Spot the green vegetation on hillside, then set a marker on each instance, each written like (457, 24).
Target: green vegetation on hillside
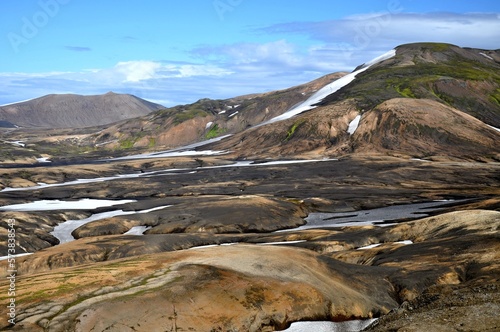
(293, 128)
(442, 75)
(214, 132)
(189, 114)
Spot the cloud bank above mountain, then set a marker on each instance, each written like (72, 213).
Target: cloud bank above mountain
(295, 52)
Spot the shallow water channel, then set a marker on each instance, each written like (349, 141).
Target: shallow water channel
(385, 216)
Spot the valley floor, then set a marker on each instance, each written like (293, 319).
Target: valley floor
(411, 273)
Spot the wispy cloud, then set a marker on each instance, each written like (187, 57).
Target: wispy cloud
(168, 83)
(354, 37)
(78, 48)
(223, 71)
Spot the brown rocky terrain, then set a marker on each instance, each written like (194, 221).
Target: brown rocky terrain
(267, 287)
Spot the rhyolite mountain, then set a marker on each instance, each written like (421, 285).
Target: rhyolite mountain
(206, 118)
(427, 101)
(75, 111)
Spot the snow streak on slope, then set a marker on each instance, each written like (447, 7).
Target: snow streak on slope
(329, 89)
(353, 125)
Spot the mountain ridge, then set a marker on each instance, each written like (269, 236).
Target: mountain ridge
(467, 96)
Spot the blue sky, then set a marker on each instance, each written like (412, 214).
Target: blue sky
(176, 52)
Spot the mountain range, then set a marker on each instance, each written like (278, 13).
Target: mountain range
(424, 100)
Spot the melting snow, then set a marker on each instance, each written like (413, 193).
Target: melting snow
(405, 242)
(352, 325)
(173, 154)
(187, 150)
(213, 245)
(162, 173)
(354, 125)
(63, 230)
(43, 160)
(486, 56)
(208, 125)
(328, 90)
(2, 258)
(52, 205)
(281, 242)
(497, 129)
(375, 217)
(137, 230)
(17, 143)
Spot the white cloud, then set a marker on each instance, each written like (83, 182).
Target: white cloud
(197, 70)
(224, 71)
(357, 37)
(136, 71)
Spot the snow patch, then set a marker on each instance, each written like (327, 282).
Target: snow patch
(173, 154)
(405, 242)
(63, 230)
(328, 90)
(43, 160)
(281, 242)
(137, 230)
(171, 171)
(353, 125)
(208, 125)
(17, 143)
(352, 325)
(52, 205)
(213, 245)
(486, 56)
(495, 128)
(234, 114)
(187, 150)
(2, 258)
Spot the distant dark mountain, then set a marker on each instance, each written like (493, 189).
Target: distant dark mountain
(75, 111)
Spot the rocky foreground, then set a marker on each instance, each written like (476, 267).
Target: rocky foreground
(442, 269)
(450, 273)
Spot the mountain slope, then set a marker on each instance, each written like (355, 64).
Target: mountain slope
(205, 119)
(75, 111)
(464, 78)
(404, 105)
